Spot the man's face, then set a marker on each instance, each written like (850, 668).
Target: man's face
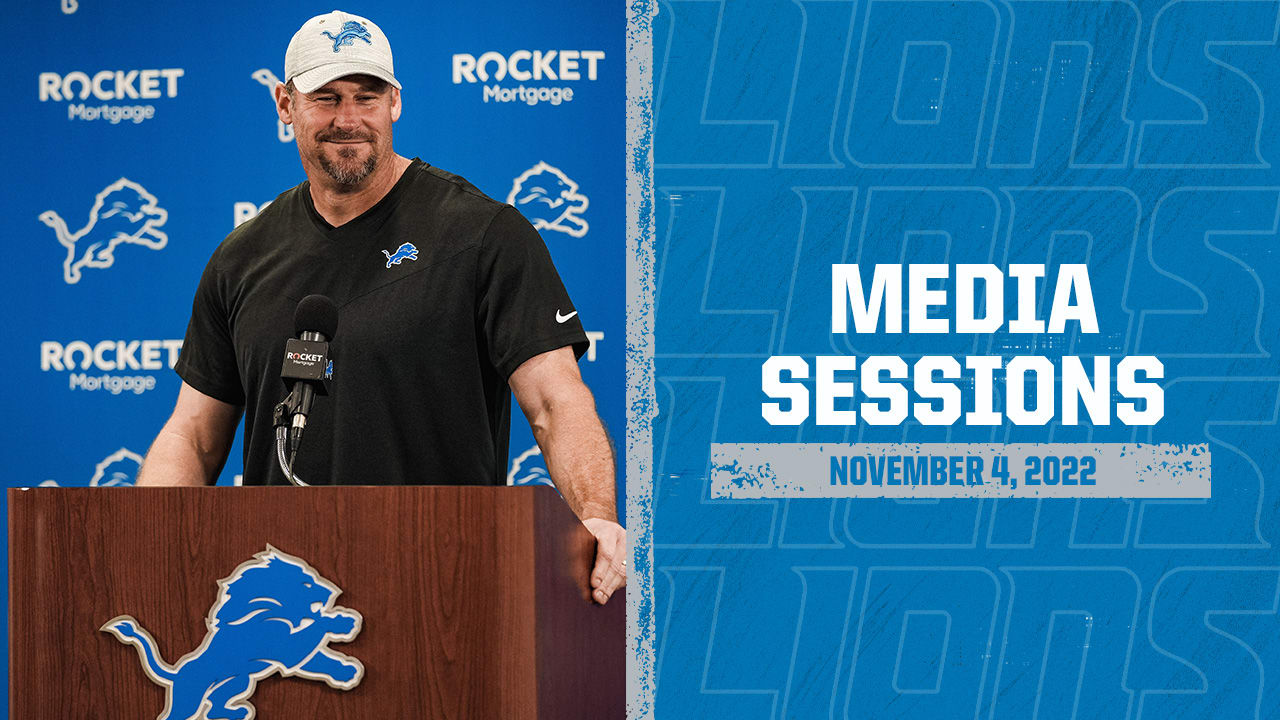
(343, 129)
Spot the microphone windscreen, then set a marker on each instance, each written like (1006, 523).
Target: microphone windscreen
(316, 313)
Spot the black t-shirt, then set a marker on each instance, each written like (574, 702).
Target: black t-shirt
(442, 293)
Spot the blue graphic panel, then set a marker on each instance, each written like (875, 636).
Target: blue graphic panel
(1130, 138)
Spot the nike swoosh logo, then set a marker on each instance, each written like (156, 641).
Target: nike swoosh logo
(562, 318)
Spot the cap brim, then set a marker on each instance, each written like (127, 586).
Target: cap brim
(315, 78)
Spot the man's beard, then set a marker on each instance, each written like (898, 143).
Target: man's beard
(344, 175)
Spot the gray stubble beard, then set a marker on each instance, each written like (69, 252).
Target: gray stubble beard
(346, 177)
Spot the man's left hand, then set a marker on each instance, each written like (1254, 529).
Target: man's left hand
(610, 572)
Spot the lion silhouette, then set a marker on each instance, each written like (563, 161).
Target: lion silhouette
(124, 212)
(550, 200)
(274, 614)
(119, 469)
(351, 32)
(284, 133)
(529, 468)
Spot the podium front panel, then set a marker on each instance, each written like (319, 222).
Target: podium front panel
(473, 602)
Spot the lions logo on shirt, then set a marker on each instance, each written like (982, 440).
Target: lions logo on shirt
(550, 200)
(406, 251)
(124, 212)
(274, 614)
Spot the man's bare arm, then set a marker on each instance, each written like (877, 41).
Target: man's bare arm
(563, 416)
(562, 413)
(192, 446)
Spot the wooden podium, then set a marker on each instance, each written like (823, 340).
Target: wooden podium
(474, 600)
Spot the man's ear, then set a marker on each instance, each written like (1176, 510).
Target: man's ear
(395, 104)
(284, 104)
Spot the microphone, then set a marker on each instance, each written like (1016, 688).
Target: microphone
(306, 362)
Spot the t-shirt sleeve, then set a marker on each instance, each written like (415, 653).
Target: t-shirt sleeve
(522, 307)
(208, 359)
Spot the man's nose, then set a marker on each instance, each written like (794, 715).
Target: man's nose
(347, 116)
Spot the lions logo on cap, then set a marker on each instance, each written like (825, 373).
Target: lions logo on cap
(274, 614)
(351, 31)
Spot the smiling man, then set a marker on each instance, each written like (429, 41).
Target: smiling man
(448, 304)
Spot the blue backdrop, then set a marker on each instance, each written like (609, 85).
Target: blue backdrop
(166, 108)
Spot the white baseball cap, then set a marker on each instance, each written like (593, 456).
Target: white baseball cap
(331, 46)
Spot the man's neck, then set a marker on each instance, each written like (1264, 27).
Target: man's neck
(339, 204)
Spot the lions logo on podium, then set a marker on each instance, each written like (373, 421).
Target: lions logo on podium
(274, 614)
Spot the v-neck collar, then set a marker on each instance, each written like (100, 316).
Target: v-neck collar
(370, 219)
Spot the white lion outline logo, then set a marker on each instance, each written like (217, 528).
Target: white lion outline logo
(529, 469)
(550, 200)
(119, 469)
(124, 212)
(284, 133)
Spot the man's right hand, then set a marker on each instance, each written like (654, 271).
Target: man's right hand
(610, 571)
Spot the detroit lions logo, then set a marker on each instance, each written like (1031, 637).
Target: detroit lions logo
(529, 469)
(124, 212)
(405, 252)
(274, 614)
(284, 133)
(119, 469)
(550, 200)
(351, 31)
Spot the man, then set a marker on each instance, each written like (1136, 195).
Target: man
(448, 304)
